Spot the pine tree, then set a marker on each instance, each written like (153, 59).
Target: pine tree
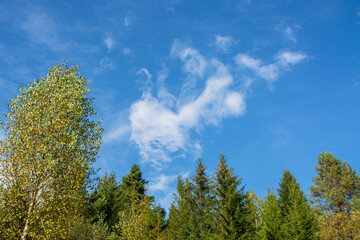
(336, 184)
(336, 191)
(232, 206)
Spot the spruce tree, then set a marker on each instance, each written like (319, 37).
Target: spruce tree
(271, 218)
(132, 186)
(254, 207)
(284, 192)
(232, 206)
(201, 202)
(298, 218)
(180, 211)
(299, 222)
(104, 201)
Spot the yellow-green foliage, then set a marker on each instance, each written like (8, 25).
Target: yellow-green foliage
(340, 226)
(134, 221)
(47, 155)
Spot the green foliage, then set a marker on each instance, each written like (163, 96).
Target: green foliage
(337, 193)
(271, 217)
(191, 214)
(232, 211)
(157, 222)
(336, 184)
(299, 221)
(298, 218)
(202, 204)
(104, 201)
(285, 201)
(133, 222)
(254, 207)
(133, 185)
(51, 143)
(180, 211)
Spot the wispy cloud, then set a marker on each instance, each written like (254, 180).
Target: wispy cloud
(126, 51)
(161, 125)
(223, 42)
(109, 43)
(118, 133)
(106, 64)
(127, 21)
(162, 182)
(194, 62)
(41, 28)
(288, 31)
(270, 72)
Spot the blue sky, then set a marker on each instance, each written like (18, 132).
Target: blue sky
(270, 84)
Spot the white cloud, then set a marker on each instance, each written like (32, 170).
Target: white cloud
(194, 62)
(162, 182)
(105, 65)
(127, 21)
(161, 124)
(270, 72)
(144, 71)
(288, 31)
(109, 43)
(223, 42)
(41, 28)
(126, 51)
(119, 133)
(289, 58)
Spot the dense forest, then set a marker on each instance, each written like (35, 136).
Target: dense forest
(48, 188)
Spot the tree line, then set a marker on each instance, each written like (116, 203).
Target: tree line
(48, 189)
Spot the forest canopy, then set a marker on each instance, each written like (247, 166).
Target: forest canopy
(46, 163)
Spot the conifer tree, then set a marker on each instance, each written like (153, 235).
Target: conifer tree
(284, 192)
(180, 211)
(254, 210)
(299, 221)
(336, 184)
(104, 201)
(202, 204)
(336, 191)
(132, 186)
(271, 218)
(157, 222)
(232, 206)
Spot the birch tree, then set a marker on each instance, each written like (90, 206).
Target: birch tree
(47, 155)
